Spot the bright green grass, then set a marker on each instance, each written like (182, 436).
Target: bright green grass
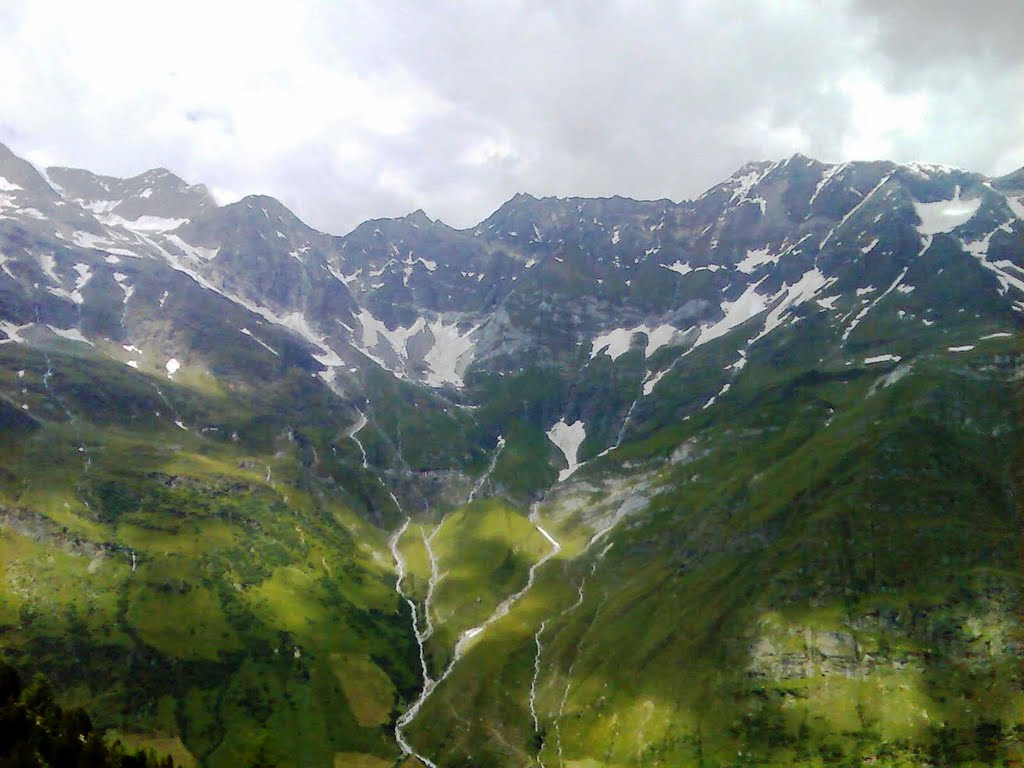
(260, 618)
(820, 527)
(261, 621)
(369, 691)
(484, 551)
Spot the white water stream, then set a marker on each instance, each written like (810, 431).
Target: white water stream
(432, 582)
(572, 668)
(428, 683)
(537, 662)
(354, 430)
(506, 605)
(625, 423)
(465, 639)
(536, 675)
(483, 478)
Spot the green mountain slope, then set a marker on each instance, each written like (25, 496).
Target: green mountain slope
(190, 588)
(597, 483)
(801, 588)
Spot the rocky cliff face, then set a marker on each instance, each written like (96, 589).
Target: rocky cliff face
(537, 282)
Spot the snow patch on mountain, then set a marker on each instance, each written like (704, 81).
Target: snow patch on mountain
(340, 276)
(447, 359)
(735, 313)
(714, 398)
(49, 266)
(849, 215)
(13, 333)
(450, 355)
(1002, 268)
(195, 252)
(882, 359)
(807, 287)
(568, 438)
(4, 261)
(374, 330)
(143, 224)
(945, 215)
(71, 334)
(615, 342)
(298, 322)
(680, 267)
(84, 276)
(1016, 204)
(860, 315)
(89, 240)
(756, 258)
(652, 381)
(126, 288)
(98, 207)
(830, 173)
(929, 169)
(743, 184)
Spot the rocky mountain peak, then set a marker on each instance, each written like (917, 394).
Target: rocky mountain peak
(1011, 182)
(154, 199)
(419, 218)
(21, 182)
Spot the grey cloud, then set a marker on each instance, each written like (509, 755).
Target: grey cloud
(968, 54)
(940, 32)
(659, 101)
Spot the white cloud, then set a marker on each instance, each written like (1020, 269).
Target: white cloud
(879, 119)
(363, 109)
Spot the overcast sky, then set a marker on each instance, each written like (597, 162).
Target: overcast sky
(349, 110)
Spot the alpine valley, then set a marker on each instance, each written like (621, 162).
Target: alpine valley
(597, 482)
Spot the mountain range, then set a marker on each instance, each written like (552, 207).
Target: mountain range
(596, 482)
